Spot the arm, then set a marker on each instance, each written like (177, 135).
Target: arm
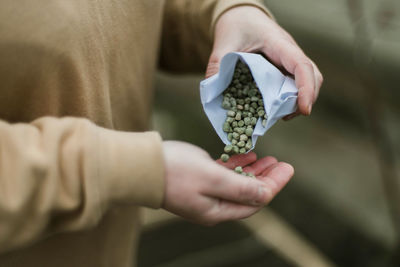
(62, 174)
(198, 188)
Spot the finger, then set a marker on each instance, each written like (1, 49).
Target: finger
(226, 211)
(305, 82)
(212, 68)
(219, 51)
(228, 185)
(318, 83)
(276, 177)
(267, 170)
(319, 80)
(239, 160)
(260, 165)
(292, 58)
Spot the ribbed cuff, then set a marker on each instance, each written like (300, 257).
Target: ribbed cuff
(224, 5)
(133, 168)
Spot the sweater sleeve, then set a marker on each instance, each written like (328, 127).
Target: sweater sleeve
(62, 175)
(188, 30)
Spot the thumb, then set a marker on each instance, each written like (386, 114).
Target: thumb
(213, 64)
(215, 60)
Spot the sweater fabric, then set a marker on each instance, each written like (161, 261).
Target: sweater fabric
(76, 158)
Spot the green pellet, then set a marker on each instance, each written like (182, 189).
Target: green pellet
(238, 116)
(243, 137)
(240, 130)
(242, 150)
(226, 105)
(254, 99)
(241, 144)
(224, 157)
(234, 142)
(241, 123)
(238, 169)
(231, 113)
(228, 149)
(236, 149)
(248, 132)
(264, 123)
(248, 145)
(226, 127)
(253, 92)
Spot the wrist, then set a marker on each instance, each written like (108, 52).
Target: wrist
(224, 6)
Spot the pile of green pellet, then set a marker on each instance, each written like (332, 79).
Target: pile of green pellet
(244, 106)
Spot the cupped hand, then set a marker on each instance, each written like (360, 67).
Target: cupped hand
(204, 191)
(248, 29)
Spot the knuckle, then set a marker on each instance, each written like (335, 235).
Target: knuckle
(273, 159)
(305, 62)
(214, 59)
(273, 189)
(211, 216)
(320, 79)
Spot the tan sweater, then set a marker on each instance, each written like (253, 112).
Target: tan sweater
(70, 188)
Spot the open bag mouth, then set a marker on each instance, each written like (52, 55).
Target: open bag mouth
(279, 92)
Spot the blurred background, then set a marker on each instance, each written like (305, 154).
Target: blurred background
(342, 208)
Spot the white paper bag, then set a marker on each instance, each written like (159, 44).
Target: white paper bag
(279, 92)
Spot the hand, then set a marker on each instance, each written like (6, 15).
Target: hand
(201, 190)
(248, 29)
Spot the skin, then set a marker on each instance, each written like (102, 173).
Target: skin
(205, 191)
(248, 29)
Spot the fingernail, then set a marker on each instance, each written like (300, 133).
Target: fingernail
(309, 109)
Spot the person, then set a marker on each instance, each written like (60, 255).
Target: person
(77, 159)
